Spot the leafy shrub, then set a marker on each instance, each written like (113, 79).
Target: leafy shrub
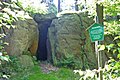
(68, 61)
(10, 12)
(87, 75)
(33, 7)
(31, 10)
(110, 71)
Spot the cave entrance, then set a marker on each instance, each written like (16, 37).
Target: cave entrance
(44, 49)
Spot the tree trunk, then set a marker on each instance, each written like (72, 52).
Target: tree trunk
(58, 5)
(76, 5)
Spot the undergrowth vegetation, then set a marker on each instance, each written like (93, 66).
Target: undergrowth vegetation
(35, 73)
(10, 12)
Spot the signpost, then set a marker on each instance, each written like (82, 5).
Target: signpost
(99, 11)
(96, 32)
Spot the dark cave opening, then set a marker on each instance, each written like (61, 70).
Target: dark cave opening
(43, 51)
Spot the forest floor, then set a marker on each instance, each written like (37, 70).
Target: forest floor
(46, 71)
(47, 67)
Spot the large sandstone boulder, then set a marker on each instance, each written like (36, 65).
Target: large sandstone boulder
(70, 42)
(22, 38)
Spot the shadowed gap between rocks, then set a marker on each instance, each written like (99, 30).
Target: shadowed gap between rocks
(44, 50)
(44, 47)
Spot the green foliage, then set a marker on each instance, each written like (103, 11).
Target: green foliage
(14, 68)
(3, 54)
(6, 20)
(112, 7)
(31, 10)
(68, 61)
(87, 75)
(9, 67)
(112, 69)
(8, 15)
(10, 12)
(101, 47)
(112, 29)
(15, 65)
(33, 7)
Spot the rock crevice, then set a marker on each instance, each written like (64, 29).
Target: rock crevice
(44, 49)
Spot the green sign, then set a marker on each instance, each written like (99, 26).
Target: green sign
(96, 32)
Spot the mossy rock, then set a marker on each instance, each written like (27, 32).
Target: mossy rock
(26, 61)
(69, 37)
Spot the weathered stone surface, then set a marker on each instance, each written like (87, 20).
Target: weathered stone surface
(26, 61)
(70, 40)
(43, 17)
(22, 38)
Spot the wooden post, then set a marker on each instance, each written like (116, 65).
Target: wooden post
(99, 10)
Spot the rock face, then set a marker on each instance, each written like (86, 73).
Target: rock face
(23, 37)
(70, 41)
